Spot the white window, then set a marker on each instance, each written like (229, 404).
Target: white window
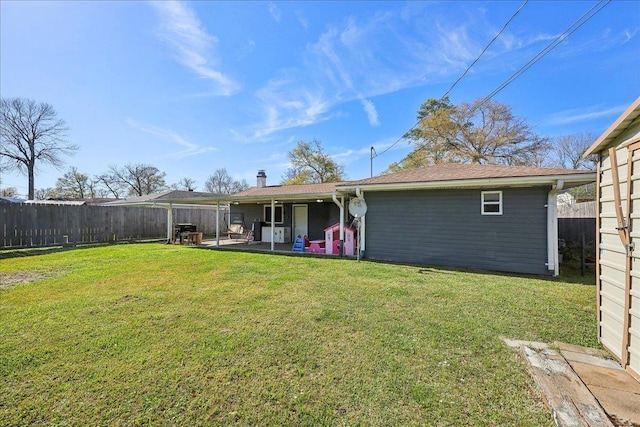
(491, 203)
(279, 216)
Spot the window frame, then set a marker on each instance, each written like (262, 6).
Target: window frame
(277, 208)
(484, 203)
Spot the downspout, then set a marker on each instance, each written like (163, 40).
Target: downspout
(341, 206)
(170, 223)
(218, 221)
(273, 227)
(552, 228)
(362, 232)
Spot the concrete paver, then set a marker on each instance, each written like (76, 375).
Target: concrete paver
(616, 391)
(583, 386)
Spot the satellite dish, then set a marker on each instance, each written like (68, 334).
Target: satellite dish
(357, 207)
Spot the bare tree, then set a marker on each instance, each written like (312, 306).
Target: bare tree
(310, 164)
(74, 185)
(111, 183)
(568, 150)
(220, 182)
(31, 133)
(9, 192)
(186, 184)
(44, 193)
(139, 179)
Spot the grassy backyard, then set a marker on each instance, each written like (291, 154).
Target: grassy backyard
(150, 334)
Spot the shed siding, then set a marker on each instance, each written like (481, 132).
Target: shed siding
(445, 227)
(612, 256)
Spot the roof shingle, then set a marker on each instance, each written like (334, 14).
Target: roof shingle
(460, 171)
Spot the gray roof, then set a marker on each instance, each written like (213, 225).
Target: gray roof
(6, 199)
(459, 171)
(439, 175)
(309, 190)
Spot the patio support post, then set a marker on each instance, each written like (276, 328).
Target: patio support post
(341, 250)
(361, 232)
(170, 223)
(552, 228)
(218, 223)
(273, 227)
(340, 205)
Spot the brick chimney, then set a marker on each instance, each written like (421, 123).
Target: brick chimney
(262, 179)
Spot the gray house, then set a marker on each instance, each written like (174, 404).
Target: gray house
(501, 218)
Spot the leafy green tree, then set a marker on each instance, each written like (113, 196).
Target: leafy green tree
(478, 132)
(310, 164)
(31, 134)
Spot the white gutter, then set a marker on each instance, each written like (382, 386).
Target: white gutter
(363, 228)
(340, 204)
(552, 228)
(525, 181)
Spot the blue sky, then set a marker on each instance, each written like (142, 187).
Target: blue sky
(192, 87)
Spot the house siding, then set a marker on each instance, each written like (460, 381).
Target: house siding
(446, 228)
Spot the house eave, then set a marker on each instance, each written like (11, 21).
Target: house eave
(626, 119)
(281, 198)
(529, 181)
(183, 204)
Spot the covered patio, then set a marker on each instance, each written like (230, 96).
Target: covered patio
(270, 218)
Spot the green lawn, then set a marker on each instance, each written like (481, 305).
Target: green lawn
(150, 334)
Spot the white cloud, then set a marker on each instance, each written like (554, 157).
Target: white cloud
(191, 44)
(363, 57)
(601, 42)
(275, 12)
(191, 149)
(372, 113)
(304, 22)
(583, 114)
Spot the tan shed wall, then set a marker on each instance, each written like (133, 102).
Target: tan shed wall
(612, 257)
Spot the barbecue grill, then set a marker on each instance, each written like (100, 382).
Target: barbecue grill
(181, 231)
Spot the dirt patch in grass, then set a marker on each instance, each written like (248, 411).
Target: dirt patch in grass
(8, 279)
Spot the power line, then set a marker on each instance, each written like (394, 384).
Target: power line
(461, 76)
(559, 39)
(485, 48)
(587, 16)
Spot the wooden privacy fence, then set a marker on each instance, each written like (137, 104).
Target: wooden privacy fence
(32, 225)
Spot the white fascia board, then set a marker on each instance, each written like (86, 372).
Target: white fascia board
(281, 198)
(164, 205)
(528, 181)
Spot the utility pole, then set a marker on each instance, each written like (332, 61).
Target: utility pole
(373, 154)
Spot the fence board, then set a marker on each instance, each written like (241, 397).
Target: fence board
(33, 225)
